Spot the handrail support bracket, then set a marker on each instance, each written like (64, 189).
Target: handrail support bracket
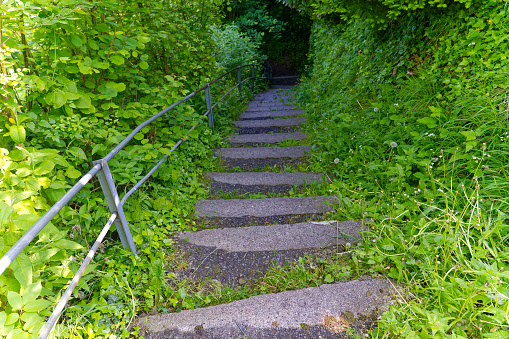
(113, 200)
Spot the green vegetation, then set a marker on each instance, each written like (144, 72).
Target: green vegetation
(282, 32)
(411, 118)
(406, 100)
(76, 78)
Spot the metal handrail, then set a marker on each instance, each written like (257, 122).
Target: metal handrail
(101, 169)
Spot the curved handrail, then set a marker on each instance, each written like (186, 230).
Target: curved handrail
(101, 169)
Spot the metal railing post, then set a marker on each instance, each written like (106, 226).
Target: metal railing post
(252, 76)
(239, 79)
(208, 99)
(113, 200)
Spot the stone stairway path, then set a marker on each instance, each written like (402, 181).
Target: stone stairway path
(241, 239)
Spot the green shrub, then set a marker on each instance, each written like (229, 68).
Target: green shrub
(233, 48)
(412, 122)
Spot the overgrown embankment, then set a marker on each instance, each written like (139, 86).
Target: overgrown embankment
(411, 117)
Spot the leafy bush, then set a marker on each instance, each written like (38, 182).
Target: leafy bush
(75, 78)
(412, 122)
(233, 48)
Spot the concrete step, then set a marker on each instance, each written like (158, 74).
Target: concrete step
(264, 138)
(310, 313)
(280, 100)
(258, 182)
(261, 126)
(237, 256)
(270, 114)
(249, 158)
(268, 124)
(287, 87)
(269, 108)
(274, 96)
(245, 212)
(270, 104)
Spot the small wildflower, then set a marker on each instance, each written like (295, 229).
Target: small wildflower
(375, 109)
(336, 161)
(394, 144)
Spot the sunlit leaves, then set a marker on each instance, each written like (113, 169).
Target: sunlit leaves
(18, 133)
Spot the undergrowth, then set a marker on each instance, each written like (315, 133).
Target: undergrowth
(412, 123)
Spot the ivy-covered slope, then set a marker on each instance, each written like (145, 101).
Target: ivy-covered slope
(411, 118)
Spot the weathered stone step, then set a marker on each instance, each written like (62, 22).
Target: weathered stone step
(264, 138)
(283, 100)
(258, 182)
(267, 96)
(287, 87)
(265, 104)
(236, 256)
(269, 108)
(270, 114)
(310, 313)
(244, 212)
(269, 123)
(249, 158)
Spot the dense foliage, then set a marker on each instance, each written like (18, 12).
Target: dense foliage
(75, 78)
(233, 48)
(283, 33)
(412, 122)
(377, 13)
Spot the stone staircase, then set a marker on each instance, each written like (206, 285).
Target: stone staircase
(243, 238)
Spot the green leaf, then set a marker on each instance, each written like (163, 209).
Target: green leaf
(22, 267)
(388, 247)
(18, 134)
(5, 212)
(117, 59)
(14, 299)
(31, 320)
(71, 87)
(3, 318)
(57, 98)
(328, 278)
(67, 244)
(143, 65)
(44, 167)
(37, 305)
(428, 121)
(85, 69)
(93, 44)
(76, 41)
(32, 292)
(118, 86)
(72, 173)
(32, 184)
(470, 135)
(83, 102)
(97, 148)
(12, 318)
